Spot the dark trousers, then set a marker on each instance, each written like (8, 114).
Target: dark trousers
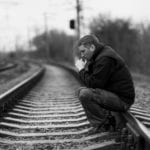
(97, 102)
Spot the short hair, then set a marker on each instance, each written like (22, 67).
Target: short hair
(89, 40)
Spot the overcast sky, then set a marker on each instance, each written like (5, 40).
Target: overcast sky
(22, 19)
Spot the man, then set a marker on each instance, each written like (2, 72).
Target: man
(108, 82)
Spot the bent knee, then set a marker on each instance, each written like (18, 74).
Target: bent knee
(85, 94)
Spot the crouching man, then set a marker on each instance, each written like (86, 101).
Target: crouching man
(108, 82)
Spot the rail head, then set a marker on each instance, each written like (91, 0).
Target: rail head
(8, 67)
(137, 126)
(20, 88)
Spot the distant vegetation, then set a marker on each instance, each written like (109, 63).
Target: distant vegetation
(55, 45)
(131, 41)
(6, 57)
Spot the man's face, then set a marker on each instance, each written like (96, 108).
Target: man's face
(86, 51)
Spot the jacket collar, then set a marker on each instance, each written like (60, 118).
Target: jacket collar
(97, 51)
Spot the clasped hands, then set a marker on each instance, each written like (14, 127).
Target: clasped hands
(80, 64)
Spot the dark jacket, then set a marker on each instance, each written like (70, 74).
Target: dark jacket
(107, 70)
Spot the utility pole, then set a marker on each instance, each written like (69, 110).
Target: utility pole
(46, 36)
(78, 9)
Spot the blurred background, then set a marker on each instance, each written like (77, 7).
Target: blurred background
(48, 29)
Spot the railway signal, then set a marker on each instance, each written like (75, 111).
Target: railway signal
(72, 24)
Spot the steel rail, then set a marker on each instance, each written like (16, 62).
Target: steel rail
(140, 133)
(7, 67)
(19, 90)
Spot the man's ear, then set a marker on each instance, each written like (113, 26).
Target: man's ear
(92, 48)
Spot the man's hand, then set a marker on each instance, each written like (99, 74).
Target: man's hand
(80, 64)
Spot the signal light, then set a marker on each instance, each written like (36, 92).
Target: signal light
(72, 24)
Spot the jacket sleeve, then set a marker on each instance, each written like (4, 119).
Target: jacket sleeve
(101, 73)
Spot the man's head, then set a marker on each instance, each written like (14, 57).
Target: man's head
(87, 46)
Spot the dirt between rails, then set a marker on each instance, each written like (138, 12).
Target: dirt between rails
(12, 77)
(46, 130)
(58, 146)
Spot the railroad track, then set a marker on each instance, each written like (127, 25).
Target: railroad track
(50, 116)
(8, 66)
(141, 115)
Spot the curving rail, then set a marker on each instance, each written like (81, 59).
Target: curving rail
(7, 98)
(8, 66)
(139, 134)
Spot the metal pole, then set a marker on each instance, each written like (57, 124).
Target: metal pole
(46, 36)
(78, 9)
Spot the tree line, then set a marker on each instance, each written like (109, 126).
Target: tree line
(131, 41)
(55, 45)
